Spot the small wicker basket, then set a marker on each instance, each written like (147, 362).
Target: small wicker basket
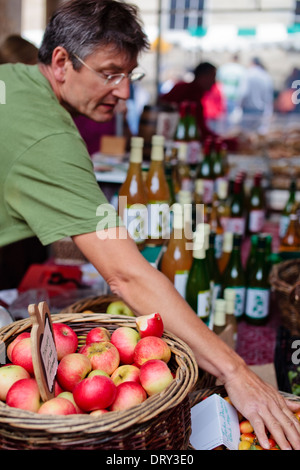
(162, 421)
(285, 281)
(96, 304)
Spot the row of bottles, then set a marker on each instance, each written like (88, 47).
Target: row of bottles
(289, 223)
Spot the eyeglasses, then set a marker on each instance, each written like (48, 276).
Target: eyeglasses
(116, 78)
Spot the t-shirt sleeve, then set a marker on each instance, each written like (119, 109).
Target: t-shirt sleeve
(53, 189)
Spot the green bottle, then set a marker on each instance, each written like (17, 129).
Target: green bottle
(214, 269)
(258, 288)
(252, 254)
(205, 173)
(198, 292)
(234, 277)
(285, 215)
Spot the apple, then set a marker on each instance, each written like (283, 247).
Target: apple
(21, 355)
(151, 347)
(155, 376)
(72, 369)
(65, 338)
(129, 394)
(11, 345)
(98, 372)
(103, 355)
(94, 393)
(57, 388)
(98, 412)
(69, 396)
(99, 333)
(126, 373)
(125, 340)
(150, 325)
(24, 394)
(118, 307)
(57, 406)
(10, 374)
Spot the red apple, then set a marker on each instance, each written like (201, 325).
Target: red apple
(69, 396)
(150, 325)
(94, 393)
(65, 338)
(151, 347)
(155, 376)
(129, 394)
(21, 355)
(98, 412)
(11, 345)
(8, 376)
(24, 394)
(103, 355)
(99, 333)
(57, 388)
(57, 406)
(125, 339)
(72, 369)
(126, 373)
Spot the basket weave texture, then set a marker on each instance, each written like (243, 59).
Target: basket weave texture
(162, 421)
(285, 281)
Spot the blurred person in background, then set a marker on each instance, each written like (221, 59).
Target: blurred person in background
(17, 49)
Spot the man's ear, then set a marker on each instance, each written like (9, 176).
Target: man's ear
(60, 58)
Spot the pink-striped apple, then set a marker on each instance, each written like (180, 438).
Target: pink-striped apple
(155, 376)
(125, 339)
(24, 394)
(69, 396)
(103, 355)
(150, 325)
(10, 374)
(94, 393)
(129, 394)
(151, 347)
(66, 340)
(21, 355)
(57, 406)
(57, 388)
(72, 369)
(126, 373)
(99, 333)
(11, 345)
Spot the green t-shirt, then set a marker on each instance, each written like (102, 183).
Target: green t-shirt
(47, 183)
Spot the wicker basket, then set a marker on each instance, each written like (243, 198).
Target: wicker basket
(161, 422)
(96, 304)
(285, 281)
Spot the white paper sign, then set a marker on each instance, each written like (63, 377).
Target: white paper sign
(214, 422)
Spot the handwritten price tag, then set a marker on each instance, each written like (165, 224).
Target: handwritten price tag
(44, 355)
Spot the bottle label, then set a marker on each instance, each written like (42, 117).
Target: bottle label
(194, 152)
(283, 225)
(136, 219)
(218, 246)
(257, 304)
(180, 280)
(256, 220)
(187, 184)
(203, 304)
(208, 191)
(159, 220)
(239, 303)
(236, 225)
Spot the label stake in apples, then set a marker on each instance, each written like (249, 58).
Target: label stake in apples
(44, 354)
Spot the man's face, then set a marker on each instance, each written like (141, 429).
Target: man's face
(86, 92)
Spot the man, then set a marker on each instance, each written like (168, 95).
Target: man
(87, 59)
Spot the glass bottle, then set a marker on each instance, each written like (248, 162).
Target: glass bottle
(234, 277)
(205, 172)
(252, 254)
(198, 293)
(181, 128)
(284, 217)
(229, 296)
(291, 240)
(177, 259)
(223, 203)
(219, 321)
(214, 269)
(158, 195)
(184, 178)
(258, 288)
(201, 213)
(216, 226)
(226, 251)
(194, 144)
(219, 166)
(133, 198)
(257, 206)
(237, 220)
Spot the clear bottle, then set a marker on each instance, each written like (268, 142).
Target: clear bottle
(284, 217)
(184, 177)
(219, 315)
(133, 198)
(198, 293)
(257, 206)
(226, 251)
(258, 288)
(205, 172)
(180, 134)
(158, 195)
(177, 260)
(194, 144)
(237, 220)
(234, 277)
(291, 240)
(229, 296)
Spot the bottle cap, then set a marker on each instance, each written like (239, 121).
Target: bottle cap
(199, 186)
(157, 150)
(136, 149)
(198, 245)
(178, 216)
(227, 242)
(229, 296)
(182, 151)
(219, 313)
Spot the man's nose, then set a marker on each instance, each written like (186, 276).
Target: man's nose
(122, 90)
